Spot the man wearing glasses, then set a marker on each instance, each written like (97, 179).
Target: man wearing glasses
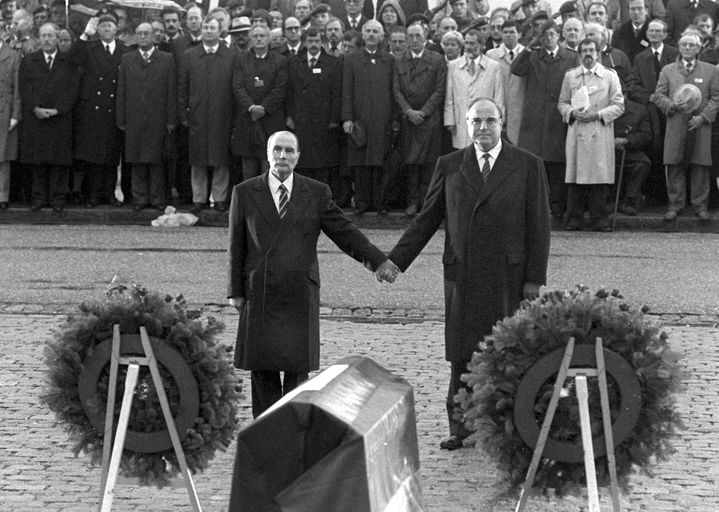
(493, 199)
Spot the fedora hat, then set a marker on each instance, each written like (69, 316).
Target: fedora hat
(690, 94)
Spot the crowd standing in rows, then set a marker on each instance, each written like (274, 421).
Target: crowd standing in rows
(183, 102)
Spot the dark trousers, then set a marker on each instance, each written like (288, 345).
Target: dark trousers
(557, 187)
(321, 174)
(268, 388)
(148, 184)
(699, 186)
(456, 426)
(635, 173)
(49, 184)
(368, 186)
(101, 182)
(595, 196)
(20, 182)
(183, 181)
(418, 178)
(252, 167)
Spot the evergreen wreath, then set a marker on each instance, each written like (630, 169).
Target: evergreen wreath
(542, 326)
(184, 330)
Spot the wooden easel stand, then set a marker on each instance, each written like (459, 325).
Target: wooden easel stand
(112, 451)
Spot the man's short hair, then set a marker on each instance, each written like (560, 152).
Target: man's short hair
(602, 4)
(255, 28)
(312, 32)
(272, 138)
(702, 17)
(485, 98)
(169, 10)
(453, 35)
(585, 42)
(572, 21)
(510, 24)
(394, 29)
(336, 20)
(660, 21)
(473, 32)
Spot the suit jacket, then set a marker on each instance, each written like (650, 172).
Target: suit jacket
(363, 19)
(543, 132)
(514, 90)
(47, 141)
(181, 44)
(680, 14)
(634, 125)
(420, 84)
(97, 138)
(146, 104)
(645, 73)
(273, 266)
(284, 50)
(209, 116)
(258, 82)
(313, 101)
(625, 40)
(9, 101)
(496, 239)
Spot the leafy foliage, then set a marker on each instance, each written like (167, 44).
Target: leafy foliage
(183, 329)
(541, 327)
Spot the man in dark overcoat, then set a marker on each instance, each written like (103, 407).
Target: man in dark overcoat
(631, 36)
(313, 109)
(259, 85)
(49, 87)
(492, 198)
(274, 281)
(206, 106)
(98, 140)
(419, 85)
(367, 101)
(544, 63)
(147, 113)
(191, 38)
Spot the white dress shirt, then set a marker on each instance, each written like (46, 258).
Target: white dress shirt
(275, 187)
(493, 154)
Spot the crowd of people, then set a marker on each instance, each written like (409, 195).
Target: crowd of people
(178, 105)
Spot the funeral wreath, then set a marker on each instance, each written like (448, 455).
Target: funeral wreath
(197, 373)
(645, 367)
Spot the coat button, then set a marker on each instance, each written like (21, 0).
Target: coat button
(112, 95)
(101, 79)
(99, 93)
(97, 108)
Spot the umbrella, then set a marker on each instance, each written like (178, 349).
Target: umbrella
(149, 4)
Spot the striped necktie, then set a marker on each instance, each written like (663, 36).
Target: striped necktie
(486, 169)
(284, 200)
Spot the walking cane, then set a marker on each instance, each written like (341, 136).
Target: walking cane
(619, 188)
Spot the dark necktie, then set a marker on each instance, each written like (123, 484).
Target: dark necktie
(146, 56)
(690, 66)
(333, 51)
(49, 61)
(313, 61)
(486, 169)
(657, 65)
(284, 200)
(511, 55)
(293, 51)
(107, 49)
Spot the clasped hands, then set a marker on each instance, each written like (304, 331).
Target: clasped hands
(387, 271)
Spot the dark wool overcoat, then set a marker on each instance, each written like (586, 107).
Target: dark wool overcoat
(205, 102)
(47, 141)
(542, 131)
(273, 265)
(98, 140)
(496, 239)
(314, 97)
(146, 104)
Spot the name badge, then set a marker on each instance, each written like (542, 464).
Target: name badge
(698, 80)
(259, 82)
(644, 43)
(316, 71)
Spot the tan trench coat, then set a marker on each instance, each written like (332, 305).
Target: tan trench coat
(590, 146)
(514, 91)
(462, 88)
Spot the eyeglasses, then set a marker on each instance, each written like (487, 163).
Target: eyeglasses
(293, 28)
(489, 122)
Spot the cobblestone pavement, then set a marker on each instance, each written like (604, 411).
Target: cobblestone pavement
(39, 472)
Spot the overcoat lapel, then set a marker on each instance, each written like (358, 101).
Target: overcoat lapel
(470, 169)
(503, 167)
(263, 198)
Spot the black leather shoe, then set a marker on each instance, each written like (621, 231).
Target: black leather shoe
(118, 204)
(220, 206)
(453, 442)
(196, 208)
(4, 205)
(411, 210)
(361, 210)
(36, 207)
